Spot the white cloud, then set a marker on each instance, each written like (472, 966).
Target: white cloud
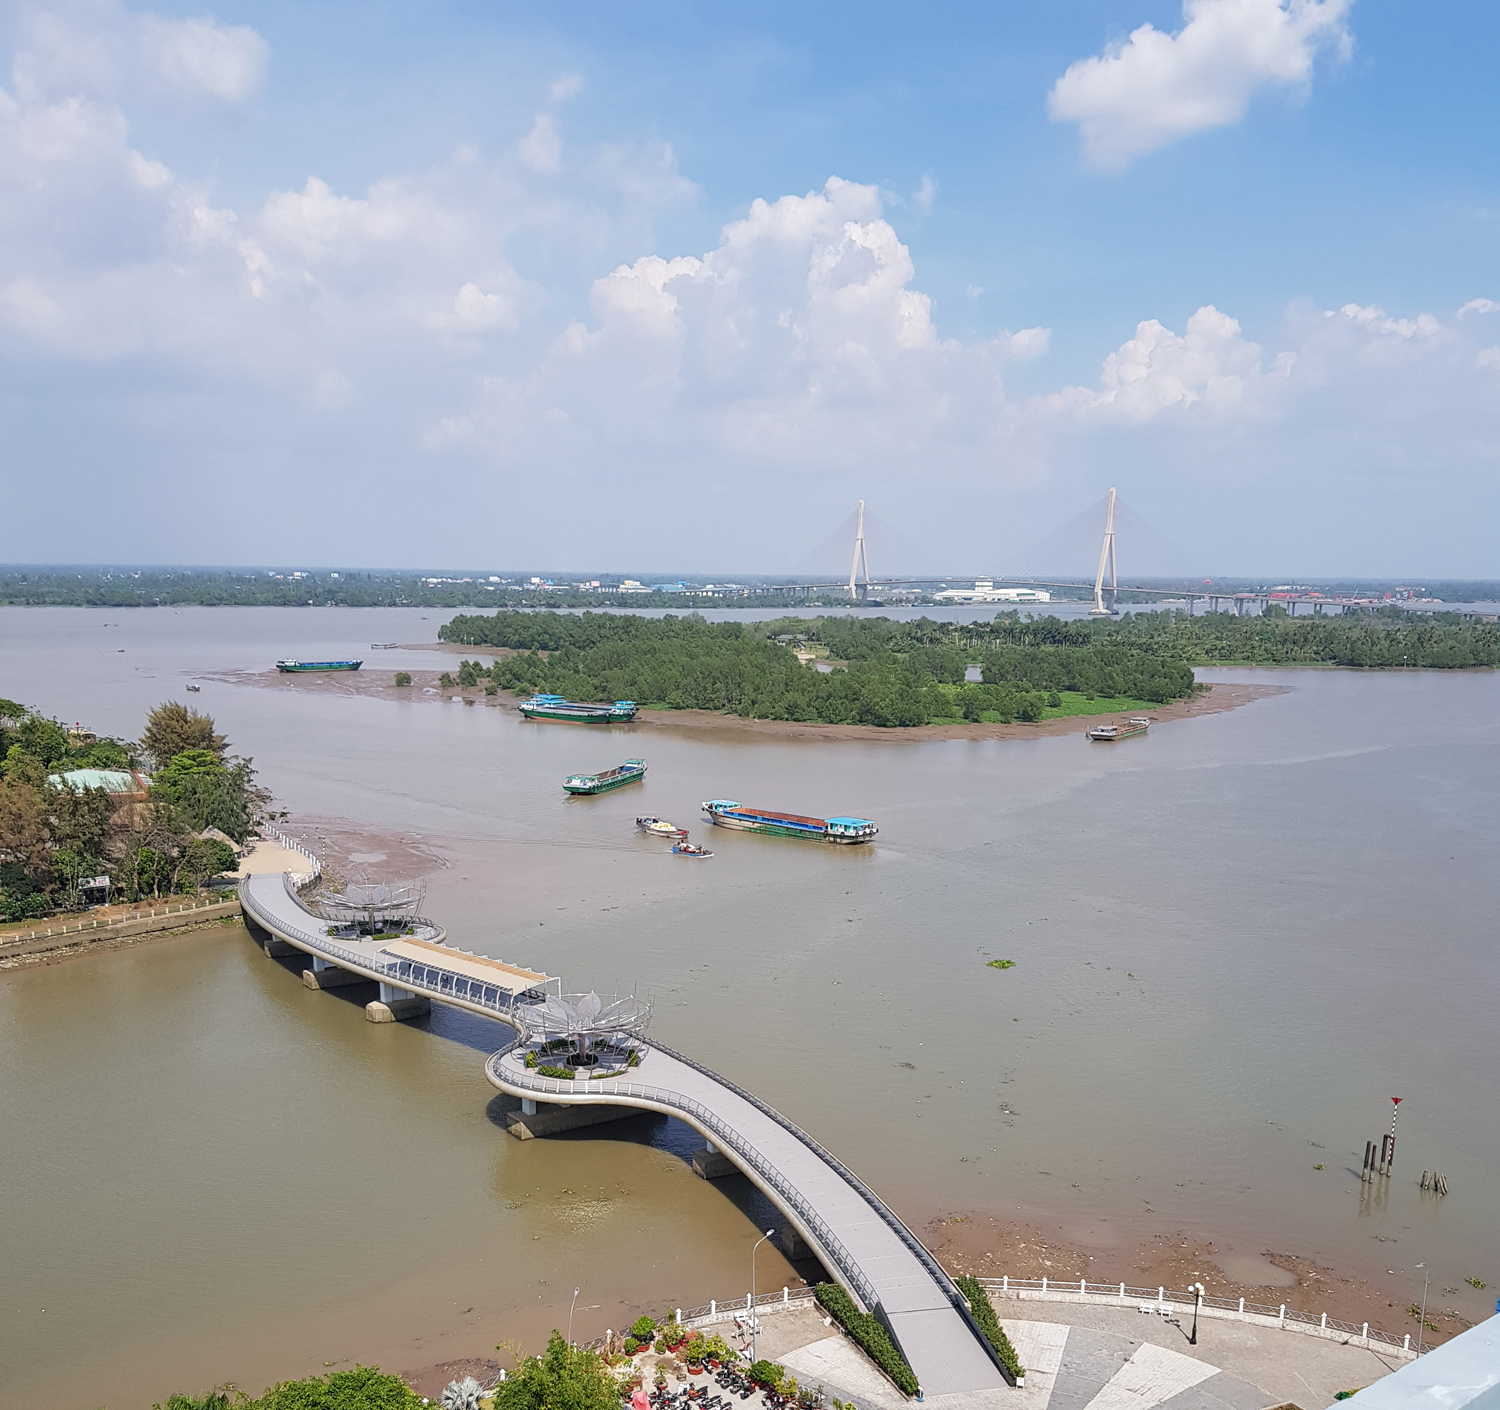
(200, 56)
(1479, 306)
(925, 195)
(1210, 369)
(541, 148)
(1153, 87)
(1373, 319)
(1488, 359)
(567, 85)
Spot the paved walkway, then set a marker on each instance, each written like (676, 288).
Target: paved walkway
(1306, 1371)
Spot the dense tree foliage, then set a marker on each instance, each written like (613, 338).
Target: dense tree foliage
(363, 1388)
(889, 673)
(562, 1378)
(54, 834)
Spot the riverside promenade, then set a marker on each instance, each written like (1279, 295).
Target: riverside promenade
(860, 1241)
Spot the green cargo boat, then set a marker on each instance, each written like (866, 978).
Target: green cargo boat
(554, 707)
(292, 666)
(631, 771)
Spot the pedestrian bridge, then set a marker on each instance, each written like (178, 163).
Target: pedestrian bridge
(861, 1243)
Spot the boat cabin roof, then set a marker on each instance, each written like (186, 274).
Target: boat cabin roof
(851, 822)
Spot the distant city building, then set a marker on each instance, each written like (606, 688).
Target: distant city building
(984, 590)
(630, 585)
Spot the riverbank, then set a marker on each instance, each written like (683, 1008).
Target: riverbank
(424, 688)
(991, 1247)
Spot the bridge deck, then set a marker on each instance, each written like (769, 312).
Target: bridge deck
(859, 1240)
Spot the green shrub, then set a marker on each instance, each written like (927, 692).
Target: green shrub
(634, 1060)
(403, 677)
(984, 1314)
(872, 1337)
(530, 1059)
(446, 681)
(492, 690)
(631, 1346)
(643, 1328)
(768, 1373)
(562, 1074)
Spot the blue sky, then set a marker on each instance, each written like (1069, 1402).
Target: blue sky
(488, 284)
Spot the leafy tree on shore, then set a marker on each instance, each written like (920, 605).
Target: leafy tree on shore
(562, 1378)
(173, 729)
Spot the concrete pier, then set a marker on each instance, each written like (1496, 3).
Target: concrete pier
(712, 1164)
(545, 1119)
(395, 1004)
(277, 949)
(792, 1244)
(395, 1011)
(329, 976)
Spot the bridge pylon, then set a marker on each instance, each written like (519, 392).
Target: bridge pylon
(859, 591)
(1106, 558)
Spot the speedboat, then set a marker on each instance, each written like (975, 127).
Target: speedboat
(690, 849)
(660, 827)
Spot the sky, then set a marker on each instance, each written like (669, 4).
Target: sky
(590, 286)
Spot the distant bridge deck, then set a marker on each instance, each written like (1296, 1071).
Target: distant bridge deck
(856, 1237)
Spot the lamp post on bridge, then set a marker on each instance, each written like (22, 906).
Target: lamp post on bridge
(1197, 1290)
(754, 1323)
(571, 1306)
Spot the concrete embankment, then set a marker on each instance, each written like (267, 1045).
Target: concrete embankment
(61, 936)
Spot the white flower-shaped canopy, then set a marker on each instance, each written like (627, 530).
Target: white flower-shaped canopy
(587, 1016)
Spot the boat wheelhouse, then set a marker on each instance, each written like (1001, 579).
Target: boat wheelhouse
(631, 771)
(555, 707)
(724, 812)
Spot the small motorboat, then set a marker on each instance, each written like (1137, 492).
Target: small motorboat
(194, 688)
(660, 827)
(689, 849)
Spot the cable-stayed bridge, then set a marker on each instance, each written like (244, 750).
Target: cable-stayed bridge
(1105, 589)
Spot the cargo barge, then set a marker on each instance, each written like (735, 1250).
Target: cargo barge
(631, 771)
(1107, 734)
(722, 812)
(554, 707)
(295, 666)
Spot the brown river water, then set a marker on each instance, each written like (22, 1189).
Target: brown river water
(1234, 940)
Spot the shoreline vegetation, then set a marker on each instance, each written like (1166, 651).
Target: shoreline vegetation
(827, 670)
(80, 823)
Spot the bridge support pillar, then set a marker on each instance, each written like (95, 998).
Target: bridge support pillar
(527, 1119)
(395, 1004)
(712, 1164)
(276, 948)
(324, 975)
(792, 1244)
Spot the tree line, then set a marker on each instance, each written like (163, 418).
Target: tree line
(888, 674)
(54, 833)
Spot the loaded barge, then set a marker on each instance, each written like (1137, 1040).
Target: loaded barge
(1107, 734)
(294, 666)
(722, 812)
(631, 771)
(554, 707)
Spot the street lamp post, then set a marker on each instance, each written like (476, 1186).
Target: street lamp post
(1422, 1320)
(571, 1306)
(1197, 1291)
(753, 1323)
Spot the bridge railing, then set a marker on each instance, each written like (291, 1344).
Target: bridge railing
(915, 1245)
(724, 1133)
(1164, 1298)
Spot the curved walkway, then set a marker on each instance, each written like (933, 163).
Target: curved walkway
(857, 1238)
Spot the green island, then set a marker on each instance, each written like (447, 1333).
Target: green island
(883, 673)
(880, 672)
(76, 807)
